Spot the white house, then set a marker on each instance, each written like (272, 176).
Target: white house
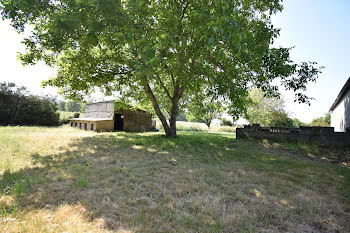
(340, 110)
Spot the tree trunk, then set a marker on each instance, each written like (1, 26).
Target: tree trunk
(207, 123)
(170, 131)
(173, 115)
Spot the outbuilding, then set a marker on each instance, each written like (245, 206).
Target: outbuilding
(103, 116)
(340, 110)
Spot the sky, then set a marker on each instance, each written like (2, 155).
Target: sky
(319, 30)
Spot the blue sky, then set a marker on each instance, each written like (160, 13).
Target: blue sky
(319, 30)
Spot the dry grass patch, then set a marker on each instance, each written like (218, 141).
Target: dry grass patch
(130, 182)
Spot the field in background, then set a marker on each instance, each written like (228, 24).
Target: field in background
(197, 127)
(68, 180)
(67, 115)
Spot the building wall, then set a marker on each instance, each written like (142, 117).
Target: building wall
(135, 121)
(94, 125)
(340, 116)
(105, 125)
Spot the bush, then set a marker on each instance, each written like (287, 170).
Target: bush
(76, 115)
(18, 107)
(226, 122)
(63, 120)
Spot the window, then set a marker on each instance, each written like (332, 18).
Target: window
(85, 126)
(76, 124)
(92, 126)
(71, 124)
(79, 125)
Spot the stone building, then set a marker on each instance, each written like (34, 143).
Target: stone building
(340, 110)
(103, 116)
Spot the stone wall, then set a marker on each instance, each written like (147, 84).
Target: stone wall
(319, 135)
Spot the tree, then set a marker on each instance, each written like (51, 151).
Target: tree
(159, 52)
(72, 106)
(82, 107)
(182, 117)
(297, 123)
(11, 101)
(18, 106)
(267, 111)
(205, 108)
(322, 121)
(62, 106)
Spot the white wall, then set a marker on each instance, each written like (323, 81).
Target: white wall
(340, 117)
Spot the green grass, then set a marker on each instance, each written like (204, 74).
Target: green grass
(82, 183)
(199, 127)
(68, 180)
(67, 115)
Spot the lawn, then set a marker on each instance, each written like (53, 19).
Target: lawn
(68, 180)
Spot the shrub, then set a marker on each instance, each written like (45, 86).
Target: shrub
(226, 122)
(18, 107)
(76, 115)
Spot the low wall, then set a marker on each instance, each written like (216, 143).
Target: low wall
(319, 135)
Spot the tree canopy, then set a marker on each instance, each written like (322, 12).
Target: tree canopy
(267, 111)
(322, 121)
(206, 109)
(160, 52)
(19, 107)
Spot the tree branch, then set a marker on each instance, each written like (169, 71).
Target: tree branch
(155, 104)
(164, 87)
(184, 11)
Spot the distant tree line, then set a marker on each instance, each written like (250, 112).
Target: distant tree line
(261, 109)
(270, 112)
(71, 106)
(19, 107)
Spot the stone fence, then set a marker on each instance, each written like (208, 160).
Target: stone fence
(318, 135)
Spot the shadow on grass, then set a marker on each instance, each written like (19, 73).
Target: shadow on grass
(130, 180)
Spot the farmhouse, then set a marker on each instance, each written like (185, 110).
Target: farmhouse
(103, 116)
(340, 110)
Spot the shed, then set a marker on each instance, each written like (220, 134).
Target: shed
(340, 110)
(103, 116)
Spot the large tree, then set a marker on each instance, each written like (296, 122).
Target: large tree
(159, 52)
(267, 110)
(205, 108)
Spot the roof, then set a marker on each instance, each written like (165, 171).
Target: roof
(91, 119)
(341, 94)
(100, 110)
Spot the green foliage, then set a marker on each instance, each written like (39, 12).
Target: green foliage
(182, 117)
(65, 116)
(76, 115)
(267, 111)
(159, 53)
(205, 108)
(226, 122)
(72, 106)
(82, 107)
(62, 106)
(82, 183)
(19, 107)
(21, 186)
(297, 123)
(322, 121)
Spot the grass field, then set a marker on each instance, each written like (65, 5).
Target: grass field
(69, 180)
(67, 115)
(199, 127)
